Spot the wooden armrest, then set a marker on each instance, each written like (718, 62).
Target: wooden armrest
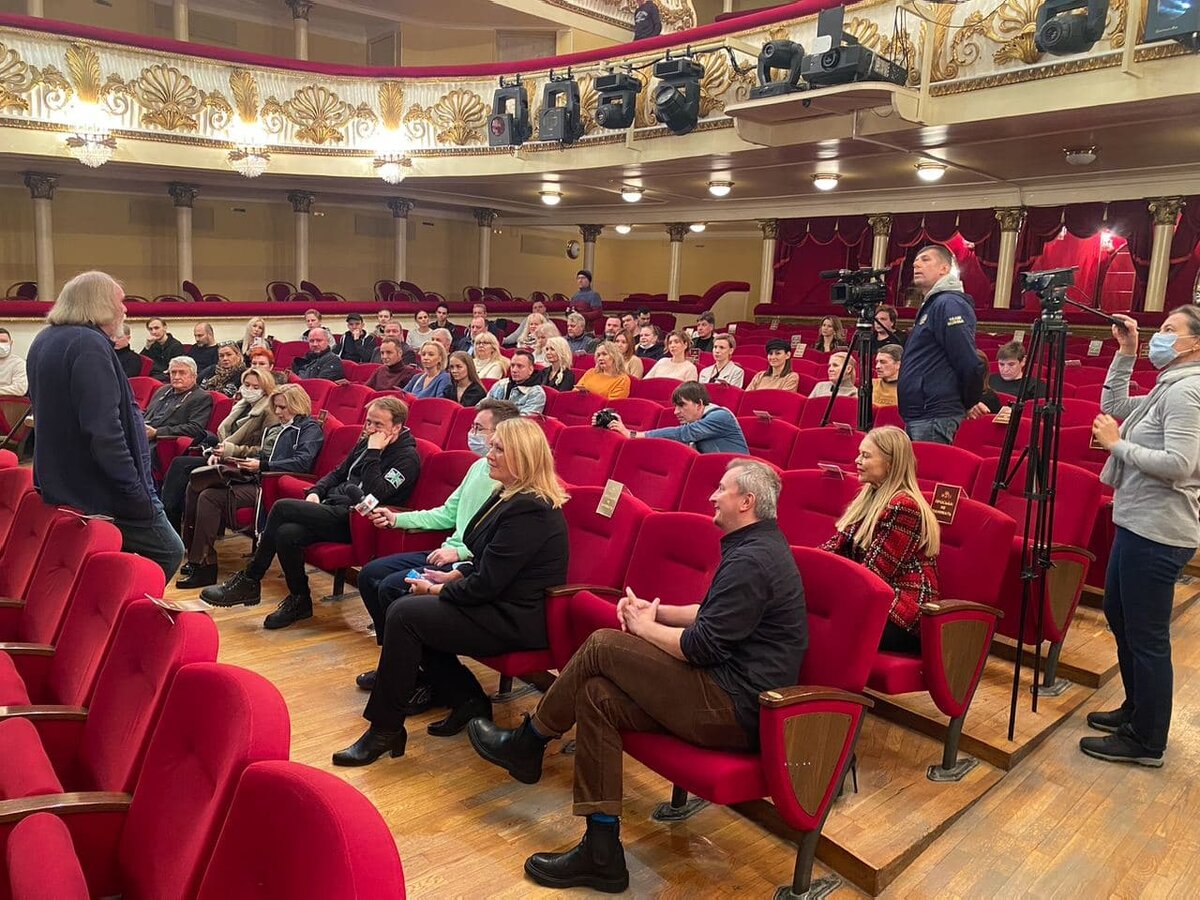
(12, 811)
(1071, 548)
(942, 607)
(11, 603)
(563, 590)
(44, 713)
(787, 696)
(15, 648)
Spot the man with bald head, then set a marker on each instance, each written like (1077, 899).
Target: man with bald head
(320, 361)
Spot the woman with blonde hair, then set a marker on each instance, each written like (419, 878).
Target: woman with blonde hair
(489, 362)
(544, 333)
(891, 529)
(634, 367)
(492, 604)
(833, 371)
(607, 378)
(433, 379)
(558, 374)
(256, 336)
(675, 364)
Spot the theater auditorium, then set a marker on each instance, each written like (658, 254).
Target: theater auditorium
(493, 448)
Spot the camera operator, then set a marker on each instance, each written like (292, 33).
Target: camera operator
(704, 425)
(941, 377)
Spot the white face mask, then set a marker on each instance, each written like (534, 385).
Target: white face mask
(5, 349)
(251, 395)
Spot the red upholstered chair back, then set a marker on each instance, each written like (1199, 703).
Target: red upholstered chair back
(769, 439)
(15, 483)
(358, 373)
(847, 607)
(657, 389)
(149, 648)
(287, 352)
(109, 581)
(144, 387)
(945, 464)
(460, 427)
(26, 538)
(384, 288)
(600, 545)
(586, 455)
(974, 553)
(280, 291)
(217, 720)
(70, 542)
(8, 459)
(441, 474)
(674, 558)
(838, 446)
(654, 470)
(426, 450)
(1078, 411)
(348, 852)
(985, 438)
(551, 428)
(1075, 447)
(348, 403)
(431, 419)
(221, 408)
(725, 395)
(1075, 508)
(637, 413)
(318, 390)
(574, 407)
(811, 503)
(845, 410)
(785, 405)
(338, 443)
(1077, 375)
(702, 479)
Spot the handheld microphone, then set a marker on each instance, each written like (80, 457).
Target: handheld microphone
(363, 503)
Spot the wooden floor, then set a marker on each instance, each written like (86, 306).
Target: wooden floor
(1058, 824)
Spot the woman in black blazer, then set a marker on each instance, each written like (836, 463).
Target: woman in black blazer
(491, 604)
(464, 388)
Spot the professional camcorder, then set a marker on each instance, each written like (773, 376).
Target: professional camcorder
(859, 290)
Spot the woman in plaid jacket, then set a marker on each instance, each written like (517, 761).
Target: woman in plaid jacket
(890, 529)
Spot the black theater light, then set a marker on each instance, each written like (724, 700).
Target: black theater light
(1069, 26)
(677, 94)
(560, 119)
(779, 56)
(617, 104)
(509, 124)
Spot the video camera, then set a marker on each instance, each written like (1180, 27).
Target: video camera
(1048, 280)
(859, 290)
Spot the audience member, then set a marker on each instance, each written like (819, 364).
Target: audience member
(577, 338)
(629, 325)
(647, 22)
(650, 343)
(256, 336)
(634, 367)
(384, 465)
(989, 401)
(706, 325)
(831, 335)
(643, 317)
(480, 309)
(384, 580)
(586, 293)
(13, 380)
(466, 343)
(695, 672)
(441, 319)
(489, 362)
(558, 374)
(393, 330)
(320, 361)
(381, 319)
(607, 378)
(1010, 359)
(525, 328)
(161, 347)
(263, 359)
(356, 345)
(226, 376)
(313, 319)
(131, 360)
(393, 372)
(521, 386)
(887, 327)
(433, 378)
(492, 603)
(833, 371)
(887, 374)
(723, 370)
(464, 388)
(941, 377)
(675, 364)
(703, 425)
(423, 333)
(180, 408)
(778, 375)
(538, 338)
(204, 350)
(445, 338)
(91, 451)
(612, 327)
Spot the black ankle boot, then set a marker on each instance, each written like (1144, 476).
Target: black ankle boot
(198, 577)
(185, 570)
(478, 707)
(518, 750)
(238, 590)
(292, 610)
(372, 745)
(597, 862)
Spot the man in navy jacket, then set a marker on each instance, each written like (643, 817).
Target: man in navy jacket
(92, 453)
(941, 377)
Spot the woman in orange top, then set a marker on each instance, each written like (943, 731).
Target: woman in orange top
(607, 378)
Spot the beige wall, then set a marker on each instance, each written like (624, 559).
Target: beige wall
(428, 46)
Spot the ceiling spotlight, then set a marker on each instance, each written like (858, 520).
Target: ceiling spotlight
(930, 171)
(550, 197)
(617, 103)
(623, 229)
(697, 227)
(677, 95)
(509, 124)
(826, 181)
(560, 119)
(720, 188)
(1079, 156)
(631, 194)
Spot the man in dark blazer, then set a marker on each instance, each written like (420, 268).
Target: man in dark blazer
(320, 361)
(181, 408)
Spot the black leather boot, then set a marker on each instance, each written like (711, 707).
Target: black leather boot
(366, 681)
(372, 745)
(478, 707)
(293, 609)
(238, 590)
(518, 750)
(597, 862)
(198, 577)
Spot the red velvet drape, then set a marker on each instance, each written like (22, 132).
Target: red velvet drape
(806, 247)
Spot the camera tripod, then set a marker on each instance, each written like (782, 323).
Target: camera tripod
(862, 348)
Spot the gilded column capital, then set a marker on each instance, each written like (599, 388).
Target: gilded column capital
(400, 207)
(301, 201)
(677, 231)
(1011, 218)
(1166, 210)
(184, 195)
(881, 224)
(300, 8)
(485, 217)
(769, 228)
(41, 186)
(590, 233)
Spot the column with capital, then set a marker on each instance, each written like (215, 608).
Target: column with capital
(36, 8)
(41, 190)
(1011, 219)
(486, 218)
(881, 233)
(302, 202)
(766, 275)
(590, 234)
(179, 9)
(677, 231)
(300, 10)
(1165, 211)
(400, 209)
(184, 196)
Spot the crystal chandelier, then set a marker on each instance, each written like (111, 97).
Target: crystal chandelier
(249, 160)
(91, 141)
(391, 167)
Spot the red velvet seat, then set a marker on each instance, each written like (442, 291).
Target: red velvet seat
(725, 395)
(144, 387)
(15, 483)
(654, 469)
(658, 390)
(217, 720)
(769, 439)
(702, 479)
(318, 390)
(440, 477)
(348, 852)
(585, 455)
(167, 449)
(339, 441)
(102, 747)
(845, 411)
(837, 446)
(348, 403)
(574, 408)
(551, 428)
(460, 427)
(945, 464)
(1075, 447)
(358, 373)
(1077, 411)
(26, 537)
(8, 459)
(984, 438)
(887, 415)
(811, 502)
(638, 414)
(784, 405)
(432, 418)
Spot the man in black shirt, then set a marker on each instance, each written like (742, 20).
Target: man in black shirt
(1010, 359)
(161, 347)
(692, 671)
(706, 324)
(131, 360)
(646, 20)
(650, 344)
(320, 361)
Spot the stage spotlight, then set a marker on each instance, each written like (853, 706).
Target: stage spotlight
(509, 125)
(677, 94)
(623, 229)
(617, 104)
(1069, 26)
(1177, 20)
(560, 120)
(720, 188)
(826, 181)
(930, 171)
(847, 60)
(783, 56)
(631, 194)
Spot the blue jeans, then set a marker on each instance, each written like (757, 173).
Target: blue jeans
(1139, 596)
(382, 580)
(157, 541)
(934, 431)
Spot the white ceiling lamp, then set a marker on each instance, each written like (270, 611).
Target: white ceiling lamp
(550, 196)
(249, 156)
(91, 142)
(392, 167)
(623, 229)
(697, 227)
(720, 188)
(631, 194)
(930, 171)
(1079, 156)
(826, 181)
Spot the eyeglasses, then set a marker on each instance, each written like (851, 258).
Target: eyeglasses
(476, 428)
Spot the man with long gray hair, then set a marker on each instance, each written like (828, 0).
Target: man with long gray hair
(92, 452)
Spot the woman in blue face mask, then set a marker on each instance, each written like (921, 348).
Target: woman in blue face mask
(1154, 470)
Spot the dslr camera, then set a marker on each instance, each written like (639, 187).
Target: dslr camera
(605, 417)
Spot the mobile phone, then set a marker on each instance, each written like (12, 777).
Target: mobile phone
(415, 574)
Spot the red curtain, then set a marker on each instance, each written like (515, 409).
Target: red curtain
(971, 234)
(806, 247)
